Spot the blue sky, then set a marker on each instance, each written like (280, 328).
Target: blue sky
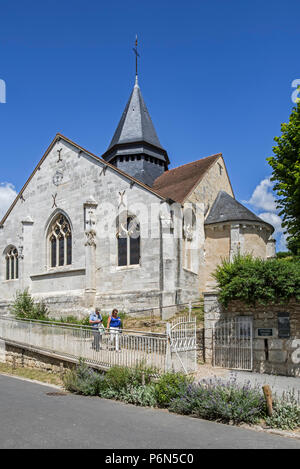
(216, 77)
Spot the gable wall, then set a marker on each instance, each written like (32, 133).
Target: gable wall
(211, 184)
(64, 288)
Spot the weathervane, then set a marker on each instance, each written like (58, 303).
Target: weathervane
(136, 55)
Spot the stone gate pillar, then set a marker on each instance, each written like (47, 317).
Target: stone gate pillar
(212, 313)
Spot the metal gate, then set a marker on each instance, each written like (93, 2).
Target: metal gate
(182, 343)
(233, 344)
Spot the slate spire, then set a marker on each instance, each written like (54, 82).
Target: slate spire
(135, 147)
(135, 124)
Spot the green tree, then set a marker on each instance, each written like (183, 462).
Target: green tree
(286, 174)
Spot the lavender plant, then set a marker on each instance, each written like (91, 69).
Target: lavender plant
(221, 401)
(286, 412)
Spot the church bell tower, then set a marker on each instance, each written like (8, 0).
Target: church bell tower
(135, 147)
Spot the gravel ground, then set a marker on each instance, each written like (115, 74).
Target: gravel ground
(278, 384)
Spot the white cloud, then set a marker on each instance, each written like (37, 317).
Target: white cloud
(278, 234)
(263, 199)
(7, 196)
(273, 219)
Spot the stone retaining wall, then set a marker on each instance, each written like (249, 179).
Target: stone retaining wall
(21, 357)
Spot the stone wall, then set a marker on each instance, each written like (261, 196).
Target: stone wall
(17, 356)
(271, 354)
(217, 247)
(215, 179)
(255, 239)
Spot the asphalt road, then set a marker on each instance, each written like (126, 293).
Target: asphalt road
(29, 418)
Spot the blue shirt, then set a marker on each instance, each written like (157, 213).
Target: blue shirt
(95, 317)
(115, 322)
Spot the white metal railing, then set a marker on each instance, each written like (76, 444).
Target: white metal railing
(124, 348)
(175, 350)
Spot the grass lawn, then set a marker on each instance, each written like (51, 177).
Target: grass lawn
(30, 373)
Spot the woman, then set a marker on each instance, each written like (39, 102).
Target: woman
(114, 325)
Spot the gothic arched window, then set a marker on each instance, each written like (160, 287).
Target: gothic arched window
(60, 240)
(128, 234)
(12, 264)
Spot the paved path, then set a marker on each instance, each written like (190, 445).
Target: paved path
(32, 419)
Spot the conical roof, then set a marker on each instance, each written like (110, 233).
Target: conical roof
(226, 208)
(135, 124)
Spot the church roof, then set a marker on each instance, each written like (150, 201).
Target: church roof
(179, 182)
(226, 208)
(135, 124)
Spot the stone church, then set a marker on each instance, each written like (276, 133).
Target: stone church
(122, 229)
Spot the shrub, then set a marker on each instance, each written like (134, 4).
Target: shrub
(119, 383)
(169, 386)
(24, 307)
(286, 413)
(83, 380)
(225, 402)
(256, 280)
(70, 381)
(139, 395)
(119, 377)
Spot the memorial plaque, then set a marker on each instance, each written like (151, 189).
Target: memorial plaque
(284, 331)
(265, 332)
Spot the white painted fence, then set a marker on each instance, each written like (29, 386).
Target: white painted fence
(124, 348)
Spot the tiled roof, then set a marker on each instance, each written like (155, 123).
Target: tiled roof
(178, 183)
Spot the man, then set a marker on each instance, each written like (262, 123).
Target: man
(96, 321)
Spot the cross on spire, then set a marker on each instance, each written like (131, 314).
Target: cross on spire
(136, 55)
